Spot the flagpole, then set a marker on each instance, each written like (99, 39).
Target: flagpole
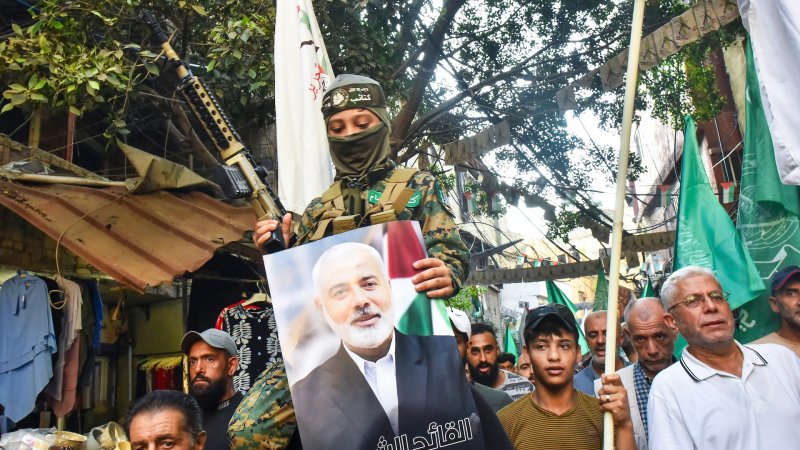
(619, 204)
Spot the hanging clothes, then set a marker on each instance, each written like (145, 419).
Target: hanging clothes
(62, 389)
(159, 373)
(256, 336)
(26, 342)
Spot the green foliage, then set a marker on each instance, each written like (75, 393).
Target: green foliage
(57, 61)
(463, 300)
(566, 221)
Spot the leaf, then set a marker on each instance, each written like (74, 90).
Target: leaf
(57, 25)
(6, 107)
(14, 88)
(40, 84)
(17, 29)
(199, 10)
(211, 65)
(119, 123)
(38, 97)
(18, 99)
(94, 84)
(152, 68)
(74, 110)
(245, 36)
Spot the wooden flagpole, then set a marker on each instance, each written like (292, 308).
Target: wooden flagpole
(616, 236)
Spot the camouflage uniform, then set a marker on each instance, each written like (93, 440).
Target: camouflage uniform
(265, 417)
(436, 221)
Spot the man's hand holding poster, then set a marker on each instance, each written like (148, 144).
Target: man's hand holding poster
(372, 364)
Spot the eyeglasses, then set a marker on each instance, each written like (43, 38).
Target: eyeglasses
(695, 300)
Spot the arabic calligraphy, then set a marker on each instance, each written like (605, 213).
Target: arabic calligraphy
(439, 436)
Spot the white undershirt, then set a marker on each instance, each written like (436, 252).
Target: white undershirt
(382, 379)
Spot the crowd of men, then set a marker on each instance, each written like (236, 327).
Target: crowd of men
(720, 394)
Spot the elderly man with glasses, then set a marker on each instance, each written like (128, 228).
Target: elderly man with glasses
(722, 394)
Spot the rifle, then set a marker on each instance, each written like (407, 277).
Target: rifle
(241, 176)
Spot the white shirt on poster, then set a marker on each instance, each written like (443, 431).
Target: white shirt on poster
(692, 405)
(382, 379)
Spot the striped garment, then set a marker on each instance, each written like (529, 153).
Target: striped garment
(642, 384)
(530, 427)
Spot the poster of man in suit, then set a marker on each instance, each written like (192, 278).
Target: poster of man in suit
(371, 363)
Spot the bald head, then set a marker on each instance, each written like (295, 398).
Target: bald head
(650, 334)
(644, 309)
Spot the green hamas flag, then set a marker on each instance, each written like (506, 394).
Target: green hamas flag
(600, 291)
(554, 295)
(509, 346)
(648, 289)
(706, 236)
(768, 212)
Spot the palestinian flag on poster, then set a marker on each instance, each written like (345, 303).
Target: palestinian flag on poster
(664, 194)
(416, 313)
(727, 191)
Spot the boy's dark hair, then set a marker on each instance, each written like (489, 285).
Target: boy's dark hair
(547, 327)
(507, 357)
(478, 328)
(162, 400)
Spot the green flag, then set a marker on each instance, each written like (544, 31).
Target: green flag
(706, 236)
(554, 295)
(768, 212)
(509, 346)
(600, 291)
(648, 289)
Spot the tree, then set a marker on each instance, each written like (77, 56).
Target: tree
(450, 69)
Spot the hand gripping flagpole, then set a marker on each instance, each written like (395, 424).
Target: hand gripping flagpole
(616, 236)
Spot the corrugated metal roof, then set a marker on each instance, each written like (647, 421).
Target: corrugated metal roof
(139, 240)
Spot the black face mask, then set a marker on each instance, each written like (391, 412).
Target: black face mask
(356, 154)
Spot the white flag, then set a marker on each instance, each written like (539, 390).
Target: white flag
(774, 27)
(302, 75)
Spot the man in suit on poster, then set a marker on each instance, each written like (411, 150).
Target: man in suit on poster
(381, 384)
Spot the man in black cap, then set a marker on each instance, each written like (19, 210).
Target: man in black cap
(213, 361)
(555, 415)
(785, 302)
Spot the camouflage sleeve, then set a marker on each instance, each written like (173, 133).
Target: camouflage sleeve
(439, 230)
(307, 222)
(265, 418)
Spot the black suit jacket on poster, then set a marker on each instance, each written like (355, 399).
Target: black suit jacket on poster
(337, 409)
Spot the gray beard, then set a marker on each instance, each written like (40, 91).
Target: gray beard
(363, 337)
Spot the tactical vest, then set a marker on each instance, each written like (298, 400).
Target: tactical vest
(391, 203)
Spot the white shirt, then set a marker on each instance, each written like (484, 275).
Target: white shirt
(382, 379)
(692, 405)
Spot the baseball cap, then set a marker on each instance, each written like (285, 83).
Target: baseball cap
(783, 276)
(213, 337)
(460, 320)
(561, 312)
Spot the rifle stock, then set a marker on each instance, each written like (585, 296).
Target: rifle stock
(240, 163)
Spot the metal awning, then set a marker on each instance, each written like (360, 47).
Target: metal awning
(139, 240)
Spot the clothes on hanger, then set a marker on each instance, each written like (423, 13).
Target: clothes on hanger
(62, 389)
(26, 342)
(256, 336)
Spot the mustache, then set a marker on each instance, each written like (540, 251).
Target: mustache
(362, 311)
(202, 378)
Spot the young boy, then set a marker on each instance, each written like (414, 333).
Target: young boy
(555, 415)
